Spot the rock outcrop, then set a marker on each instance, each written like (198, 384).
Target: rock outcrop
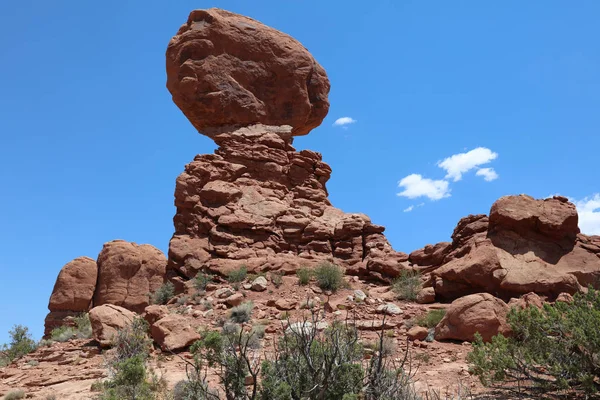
(525, 245)
(227, 71)
(476, 313)
(128, 273)
(73, 291)
(257, 201)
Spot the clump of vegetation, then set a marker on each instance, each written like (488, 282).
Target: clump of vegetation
(407, 285)
(163, 294)
(277, 279)
(15, 395)
(329, 276)
(237, 275)
(304, 275)
(431, 318)
(556, 347)
(130, 377)
(81, 330)
(241, 313)
(201, 280)
(20, 344)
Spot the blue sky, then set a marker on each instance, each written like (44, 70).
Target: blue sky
(92, 143)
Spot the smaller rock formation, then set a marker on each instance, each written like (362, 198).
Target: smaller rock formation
(72, 293)
(106, 320)
(128, 273)
(480, 312)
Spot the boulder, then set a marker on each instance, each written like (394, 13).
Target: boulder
(359, 296)
(417, 333)
(426, 295)
(128, 273)
(467, 315)
(75, 285)
(174, 332)
(106, 320)
(260, 284)
(389, 309)
(155, 312)
(226, 70)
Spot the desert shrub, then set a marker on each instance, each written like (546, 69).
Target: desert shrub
(62, 333)
(51, 397)
(84, 326)
(556, 347)
(304, 275)
(329, 276)
(242, 312)
(20, 344)
(431, 318)
(163, 294)
(407, 285)
(14, 395)
(237, 275)
(277, 279)
(130, 377)
(202, 279)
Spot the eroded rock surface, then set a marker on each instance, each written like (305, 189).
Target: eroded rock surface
(107, 320)
(128, 273)
(525, 245)
(226, 71)
(260, 203)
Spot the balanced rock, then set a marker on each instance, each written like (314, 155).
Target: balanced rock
(72, 293)
(482, 313)
(227, 71)
(128, 273)
(107, 320)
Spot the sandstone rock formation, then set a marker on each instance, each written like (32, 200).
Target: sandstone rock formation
(525, 245)
(73, 291)
(227, 71)
(174, 332)
(480, 312)
(106, 320)
(128, 273)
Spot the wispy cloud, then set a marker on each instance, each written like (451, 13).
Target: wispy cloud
(588, 209)
(458, 164)
(344, 121)
(412, 207)
(416, 186)
(489, 174)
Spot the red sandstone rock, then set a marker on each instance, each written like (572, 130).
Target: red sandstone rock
(106, 320)
(174, 332)
(417, 333)
(128, 273)
(525, 246)
(226, 70)
(155, 312)
(480, 312)
(75, 285)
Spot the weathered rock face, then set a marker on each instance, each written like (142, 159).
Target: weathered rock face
(480, 312)
(72, 293)
(174, 332)
(525, 245)
(258, 202)
(128, 273)
(107, 320)
(226, 71)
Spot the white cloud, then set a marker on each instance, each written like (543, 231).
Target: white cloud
(409, 209)
(589, 214)
(461, 163)
(416, 186)
(344, 121)
(488, 174)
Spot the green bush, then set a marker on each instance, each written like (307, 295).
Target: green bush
(62, 333)
(201, 280)
(431, 318)
(241, 313)
(304, 275)
(14, 395)
(277, 279)
(407, 285)
(81, 330)
(84, 326)
(329, 276)
(556, 347)
(163, 294)
(20, 344)
(238, 275)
